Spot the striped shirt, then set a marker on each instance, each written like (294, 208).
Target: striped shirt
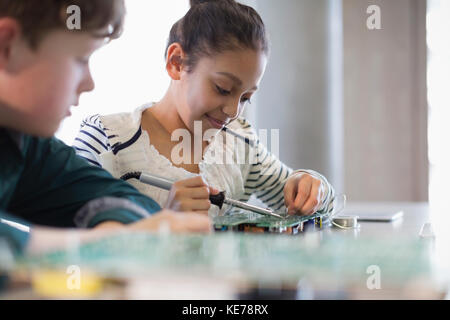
(235, 161)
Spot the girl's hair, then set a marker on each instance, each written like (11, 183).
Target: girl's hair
(214, 26)
(38, 17)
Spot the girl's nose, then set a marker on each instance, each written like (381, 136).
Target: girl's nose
(232, 109)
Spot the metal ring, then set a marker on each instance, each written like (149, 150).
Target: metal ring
(346, 222)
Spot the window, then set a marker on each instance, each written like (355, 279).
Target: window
(438, 82)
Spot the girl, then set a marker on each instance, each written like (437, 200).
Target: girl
(216, 56)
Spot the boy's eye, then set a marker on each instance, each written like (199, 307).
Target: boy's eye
(222, 91)
(83, 60)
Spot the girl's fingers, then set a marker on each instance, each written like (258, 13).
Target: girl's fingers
(289, 192)
(310, 205)
(192, 182)
(313, 202)
(213, 190)
(196, 193)
(202, 205)
(303, 192)
(197, 182)
(319, 198)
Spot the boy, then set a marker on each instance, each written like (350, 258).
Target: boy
(43, 71)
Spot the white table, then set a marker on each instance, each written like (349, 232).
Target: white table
(414, 216)
(409, 226)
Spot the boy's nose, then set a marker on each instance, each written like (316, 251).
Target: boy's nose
(87, 84)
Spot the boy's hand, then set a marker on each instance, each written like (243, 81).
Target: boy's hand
(303, 194)
(190, 195)
(44, 239)
(175, 222)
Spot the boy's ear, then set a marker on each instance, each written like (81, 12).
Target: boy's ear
(174, 62)
(9, 31)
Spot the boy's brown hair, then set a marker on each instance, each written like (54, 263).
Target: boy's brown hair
(38, 17)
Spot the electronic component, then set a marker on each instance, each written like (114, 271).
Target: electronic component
(259, 224)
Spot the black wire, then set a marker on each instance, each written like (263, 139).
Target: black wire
(131, 175)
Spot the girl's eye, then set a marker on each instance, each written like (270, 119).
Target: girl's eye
(244, 100)
(222, 91)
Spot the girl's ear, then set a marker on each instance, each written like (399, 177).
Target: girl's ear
(174, 62)
(9, 31)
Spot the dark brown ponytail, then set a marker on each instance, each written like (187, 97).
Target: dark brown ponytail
(214, 26)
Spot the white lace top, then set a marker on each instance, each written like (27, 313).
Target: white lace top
(234, 162)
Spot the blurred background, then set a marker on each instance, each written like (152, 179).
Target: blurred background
(366, 107)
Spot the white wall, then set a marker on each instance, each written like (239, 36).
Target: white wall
(381, 75)
(302, 88)
(385, 107)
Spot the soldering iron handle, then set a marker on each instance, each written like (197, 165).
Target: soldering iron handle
(156, 181)
(217, 199)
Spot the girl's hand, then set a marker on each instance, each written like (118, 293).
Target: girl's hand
(190, 195)
(303, 194)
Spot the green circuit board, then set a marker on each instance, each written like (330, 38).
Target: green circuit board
(252, 256)
(252, 221)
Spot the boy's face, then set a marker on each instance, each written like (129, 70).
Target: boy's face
(41, 85)
(218, 88)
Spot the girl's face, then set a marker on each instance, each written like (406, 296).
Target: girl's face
(217, 89)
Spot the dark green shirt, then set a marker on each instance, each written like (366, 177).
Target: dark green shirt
(43, 182)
